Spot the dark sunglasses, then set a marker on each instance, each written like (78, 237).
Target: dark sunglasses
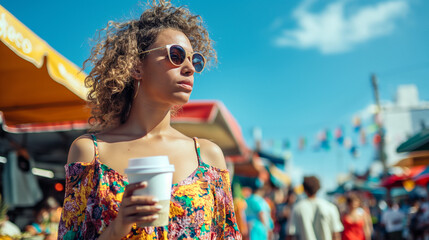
(177, 55)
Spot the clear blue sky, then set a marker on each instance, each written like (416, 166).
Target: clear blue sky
(291, 68)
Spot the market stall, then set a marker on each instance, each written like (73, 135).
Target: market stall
(417, 149)
(37, 84)
(422, 178)
(403, 179)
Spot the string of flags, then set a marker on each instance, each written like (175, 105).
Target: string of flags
(357, 137)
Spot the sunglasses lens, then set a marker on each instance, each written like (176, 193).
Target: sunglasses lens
(198, 62)
(177, 55)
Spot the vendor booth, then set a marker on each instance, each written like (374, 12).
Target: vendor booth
(402, 179)
(417, 149)
(422, 178)
(37, 84)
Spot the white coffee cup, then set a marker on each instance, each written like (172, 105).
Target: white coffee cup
(158, 173)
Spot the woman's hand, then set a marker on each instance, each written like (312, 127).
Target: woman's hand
(133, 209)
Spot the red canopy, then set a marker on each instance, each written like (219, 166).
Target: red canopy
(398, 180)
(211, 120)
(422, 178)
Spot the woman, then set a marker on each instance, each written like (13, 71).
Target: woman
(356, 222)
(142, 70)
(258, 214)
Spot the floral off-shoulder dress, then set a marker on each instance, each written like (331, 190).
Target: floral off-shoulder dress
(201, 205)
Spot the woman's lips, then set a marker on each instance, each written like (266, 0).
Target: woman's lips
(187, 85)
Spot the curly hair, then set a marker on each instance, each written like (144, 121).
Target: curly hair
(311, 185)
(119, 49)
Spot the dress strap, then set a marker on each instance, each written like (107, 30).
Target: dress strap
(197, 149)
(94, 139)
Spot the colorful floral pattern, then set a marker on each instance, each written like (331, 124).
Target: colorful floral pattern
(201, 206)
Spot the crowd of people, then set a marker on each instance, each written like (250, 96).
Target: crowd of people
(278, 214)
(43, 225)
(264, 212)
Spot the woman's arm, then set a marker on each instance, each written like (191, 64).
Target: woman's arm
(367, 226)
(212, 154)
(81, 150)
(71, 221)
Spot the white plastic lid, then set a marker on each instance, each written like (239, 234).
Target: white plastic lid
(169, 168)
(150, 164)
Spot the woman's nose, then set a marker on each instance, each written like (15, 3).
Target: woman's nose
(188, 68)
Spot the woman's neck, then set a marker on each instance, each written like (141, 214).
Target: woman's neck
(148, 119)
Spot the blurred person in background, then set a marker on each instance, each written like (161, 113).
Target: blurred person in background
(41, 225)
(284, 211)
(269, 194)
(7, 228)
(356, 221)
(393, 221)
(415, 221)
(240, 207)
(375, 213)
(425, 218)
(54, 209)
(258, 212)
(314, 218)
(46, 220)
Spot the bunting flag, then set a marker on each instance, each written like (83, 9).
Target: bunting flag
(323, 140)
(321, 136)
(357, 124)
(354, 151)
(377, 139)
(339, 136)
(362, 137)
(348, 142)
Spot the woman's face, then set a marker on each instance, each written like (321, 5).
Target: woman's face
(354, 204)
(161, 81)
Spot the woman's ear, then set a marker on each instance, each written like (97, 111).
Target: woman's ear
(137, 72)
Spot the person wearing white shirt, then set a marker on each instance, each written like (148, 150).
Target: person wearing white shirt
(8, 228)
(393, 221)
(314, 218)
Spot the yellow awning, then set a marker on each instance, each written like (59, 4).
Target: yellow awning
(37, 84)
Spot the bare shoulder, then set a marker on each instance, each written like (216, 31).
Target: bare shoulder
(212, 154)
(81, 150)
